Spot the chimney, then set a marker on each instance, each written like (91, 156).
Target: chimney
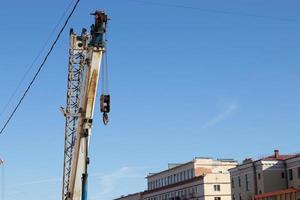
(276, 153)
(247, 160)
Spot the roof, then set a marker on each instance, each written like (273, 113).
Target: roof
(275, 193)
(279, 157)
(275, 157)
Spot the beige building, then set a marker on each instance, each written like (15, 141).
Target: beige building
(264, 176)
(199, 179)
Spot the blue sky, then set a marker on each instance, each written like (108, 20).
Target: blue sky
(188, 78)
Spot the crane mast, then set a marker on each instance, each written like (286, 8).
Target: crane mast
(85, 58)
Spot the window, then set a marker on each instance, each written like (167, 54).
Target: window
(173, 194)
(233, 197)
(217, 188)
(240, 197)
(298, 172)
(174, 177)
(217, 198)
(232, 182)
(290, 174)
(258, 175)
(193, 190)
(247, 183)
(184, 176)
(239, 181)
(282, 175)
(192, 172)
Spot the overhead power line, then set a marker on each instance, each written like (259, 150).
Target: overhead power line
(4, 108)
(226, 12)
(40, 67)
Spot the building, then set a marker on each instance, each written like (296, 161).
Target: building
(263, 177)
(293, 171)
(199, 179)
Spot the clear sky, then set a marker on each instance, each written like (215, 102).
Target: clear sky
(188, 78)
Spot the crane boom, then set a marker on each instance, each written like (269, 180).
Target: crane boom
(85, 56)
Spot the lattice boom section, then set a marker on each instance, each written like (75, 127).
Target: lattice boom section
(77, 62)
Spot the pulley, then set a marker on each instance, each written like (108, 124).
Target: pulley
(105, 107)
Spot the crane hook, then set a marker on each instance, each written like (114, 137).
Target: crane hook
(105, 118)
(105, 107)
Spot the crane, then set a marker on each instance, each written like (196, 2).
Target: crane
(85, 58)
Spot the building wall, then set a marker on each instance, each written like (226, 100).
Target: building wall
(171, 176)
(294, 166)
(206, 175)
(192, 189)
(217, 185)
(210, 187)
(243, 182)
(257, 178)
(197, 167)
(200, 179)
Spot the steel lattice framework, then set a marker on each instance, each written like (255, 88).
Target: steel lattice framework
(76, 67)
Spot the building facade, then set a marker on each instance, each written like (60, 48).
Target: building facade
(199, 179)
(270, 174)
(293, 171)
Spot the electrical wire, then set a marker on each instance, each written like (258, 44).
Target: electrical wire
(4, 108)
(40, 67)
(147, 2)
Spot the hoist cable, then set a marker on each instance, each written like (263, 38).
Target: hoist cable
(105, 85)
(105, 79)
(106, 73)
(40, 67)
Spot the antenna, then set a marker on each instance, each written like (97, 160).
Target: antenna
(2, 179)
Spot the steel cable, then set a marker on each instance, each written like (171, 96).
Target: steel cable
(40, 67)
